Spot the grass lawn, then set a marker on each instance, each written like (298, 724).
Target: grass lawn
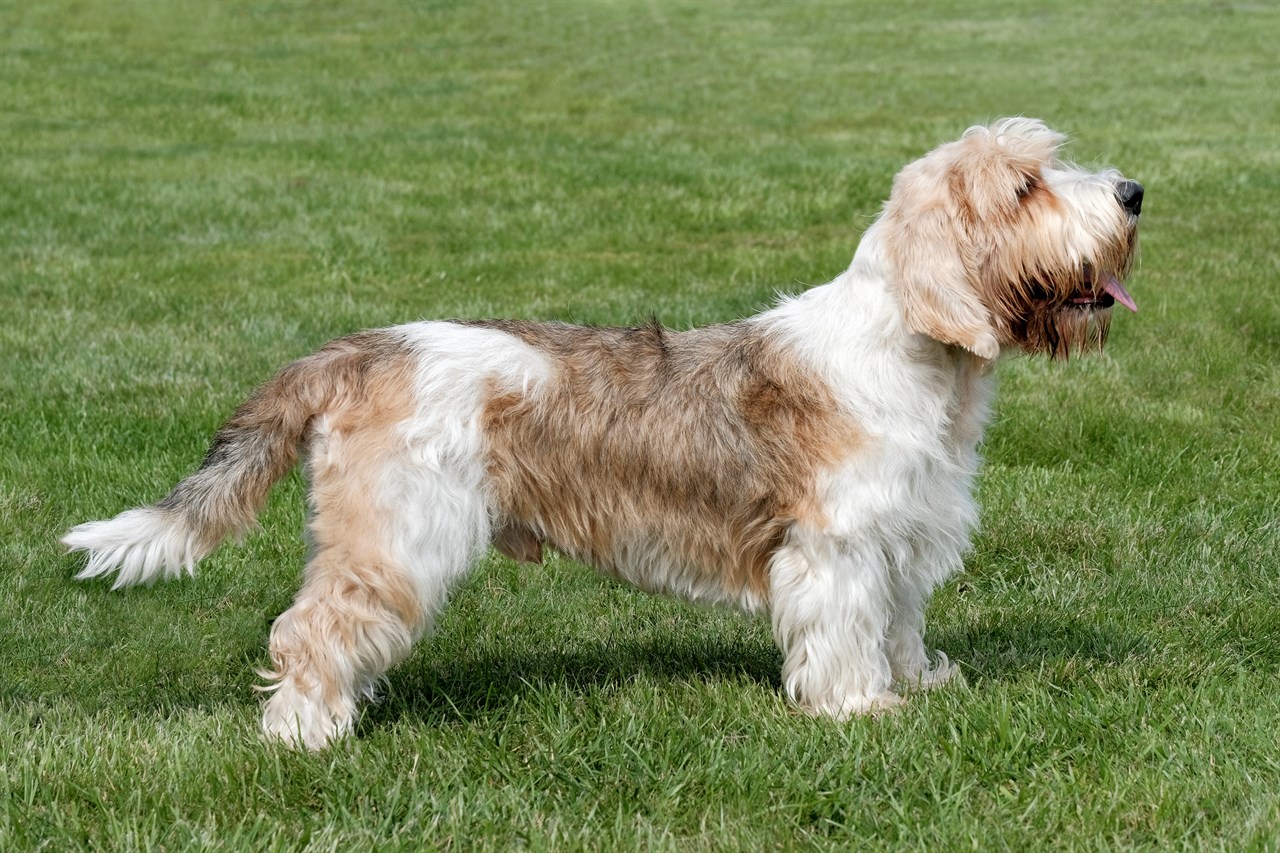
(192, 194)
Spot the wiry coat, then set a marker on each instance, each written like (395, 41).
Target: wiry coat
(815, 461)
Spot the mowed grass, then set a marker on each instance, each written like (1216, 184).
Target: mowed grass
(193, 194)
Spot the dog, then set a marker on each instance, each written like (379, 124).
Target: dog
(815, 462)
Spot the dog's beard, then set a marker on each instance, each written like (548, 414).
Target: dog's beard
(1073, 314)
(1060, 331)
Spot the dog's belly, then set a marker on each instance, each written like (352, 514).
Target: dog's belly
(652, 564)
(696, 555)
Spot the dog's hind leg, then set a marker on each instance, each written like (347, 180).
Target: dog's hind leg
(356, 616)
(390, 534)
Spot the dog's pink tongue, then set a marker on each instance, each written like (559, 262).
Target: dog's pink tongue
(1113, 286)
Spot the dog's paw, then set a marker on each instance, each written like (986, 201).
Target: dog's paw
(844, 707)
(292, 717)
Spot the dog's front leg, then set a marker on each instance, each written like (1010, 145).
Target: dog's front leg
(830, 604)
(908, 657)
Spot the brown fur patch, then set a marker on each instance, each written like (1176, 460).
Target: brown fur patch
(696, 449)
(519, 543)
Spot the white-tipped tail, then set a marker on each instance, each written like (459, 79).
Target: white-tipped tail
(253, 449)
(141, 546)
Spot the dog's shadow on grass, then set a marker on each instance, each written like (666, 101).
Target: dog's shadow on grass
(483, 685)
(1000, 649)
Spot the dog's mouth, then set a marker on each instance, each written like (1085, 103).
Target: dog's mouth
(1101, 290)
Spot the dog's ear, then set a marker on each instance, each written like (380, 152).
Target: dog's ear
(925, 259)
(937, 299)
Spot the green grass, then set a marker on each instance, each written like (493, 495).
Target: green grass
(193, 194)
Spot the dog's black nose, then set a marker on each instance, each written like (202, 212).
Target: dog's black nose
(1130, 195)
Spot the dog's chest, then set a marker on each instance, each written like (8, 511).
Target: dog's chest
(914, 477)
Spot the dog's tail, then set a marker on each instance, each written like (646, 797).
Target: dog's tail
(251, 451)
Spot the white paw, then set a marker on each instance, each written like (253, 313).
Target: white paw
(294, 718)
(854, 705)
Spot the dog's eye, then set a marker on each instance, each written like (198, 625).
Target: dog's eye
(1025, 189)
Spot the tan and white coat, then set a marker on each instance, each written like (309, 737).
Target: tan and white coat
(815, 462)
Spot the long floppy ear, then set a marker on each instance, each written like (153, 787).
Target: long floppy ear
(928, 271)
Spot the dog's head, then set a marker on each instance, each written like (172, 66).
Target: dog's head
(991, 242)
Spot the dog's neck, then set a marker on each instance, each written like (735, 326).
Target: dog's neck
(852, 331)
